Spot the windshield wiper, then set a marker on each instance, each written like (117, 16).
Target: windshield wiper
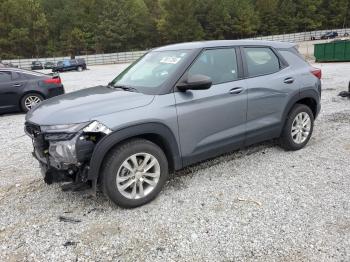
(125, 88)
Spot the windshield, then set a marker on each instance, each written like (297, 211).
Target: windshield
(151, 71)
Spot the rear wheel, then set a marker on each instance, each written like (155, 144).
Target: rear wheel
(298, 128)
(134, 173)
(80, 68)
(30, 100)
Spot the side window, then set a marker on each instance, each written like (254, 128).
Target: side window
(73, 62)
(219, 64)
(261, 61)
(5, 77)
(15, 76)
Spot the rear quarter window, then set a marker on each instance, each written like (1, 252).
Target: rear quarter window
(293, 58)
(261, 61)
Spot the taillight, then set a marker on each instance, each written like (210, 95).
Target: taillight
(55, 80)
(317, 72)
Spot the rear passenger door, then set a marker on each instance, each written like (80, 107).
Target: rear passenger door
(271, 83)
(8, 90)
(212, 121)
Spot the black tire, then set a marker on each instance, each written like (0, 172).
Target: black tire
(24, 108)
(80, 68)
(115, 159)
(286, 140)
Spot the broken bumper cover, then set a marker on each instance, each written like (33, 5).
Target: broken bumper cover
(52, 168)
(64, 155)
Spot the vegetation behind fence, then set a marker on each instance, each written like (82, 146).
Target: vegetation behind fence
(47, 28)
(128, 57)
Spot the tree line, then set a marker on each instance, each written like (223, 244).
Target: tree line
(37, 28)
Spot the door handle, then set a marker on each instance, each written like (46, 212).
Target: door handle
(236, 90)
(289, 80)
(17, 85)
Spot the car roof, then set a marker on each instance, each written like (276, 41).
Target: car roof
(223, 43)
(18, 70)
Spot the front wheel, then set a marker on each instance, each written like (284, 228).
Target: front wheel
(134, 173)
(80, 68)
(298, 128)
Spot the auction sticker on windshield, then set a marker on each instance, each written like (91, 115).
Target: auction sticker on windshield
(170, 60)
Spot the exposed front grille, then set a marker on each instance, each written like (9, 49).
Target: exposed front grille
(32, 130)
(39, 143)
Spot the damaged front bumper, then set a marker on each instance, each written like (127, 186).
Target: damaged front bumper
(65, 156)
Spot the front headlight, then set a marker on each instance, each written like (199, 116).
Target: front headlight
(63, 139)
(70, 128)
(88, 127)
(64, 151)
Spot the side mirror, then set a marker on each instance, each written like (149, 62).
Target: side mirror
(195, 82)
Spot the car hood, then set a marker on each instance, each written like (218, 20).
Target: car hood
(85, 105)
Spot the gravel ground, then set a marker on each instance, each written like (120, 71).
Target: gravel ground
(257, 204)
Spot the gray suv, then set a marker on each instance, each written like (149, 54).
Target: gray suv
(175, 106)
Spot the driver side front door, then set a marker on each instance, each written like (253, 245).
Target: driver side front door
(213, 121)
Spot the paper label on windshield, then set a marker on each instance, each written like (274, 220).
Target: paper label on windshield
(170, 60)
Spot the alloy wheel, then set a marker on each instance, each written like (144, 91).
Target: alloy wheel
(31, 101)
(138, 175)
(301, 128)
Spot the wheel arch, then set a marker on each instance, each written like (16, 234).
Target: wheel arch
(311, 103)
(309, 98)
(157, 133)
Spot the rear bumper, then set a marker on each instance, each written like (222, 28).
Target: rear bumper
(318, 110)
(319, 89)
(55, 91)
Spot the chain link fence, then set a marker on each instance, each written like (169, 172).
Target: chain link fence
(128, 57)
(303, 36)
(98, 59)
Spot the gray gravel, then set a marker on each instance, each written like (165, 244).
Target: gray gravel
(257, 204)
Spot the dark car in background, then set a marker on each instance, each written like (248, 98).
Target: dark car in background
(36, 65)
(49, 65)
(70, 65)
(20, 90)
(329, 35)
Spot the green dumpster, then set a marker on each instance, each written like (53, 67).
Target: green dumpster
(337, 51)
